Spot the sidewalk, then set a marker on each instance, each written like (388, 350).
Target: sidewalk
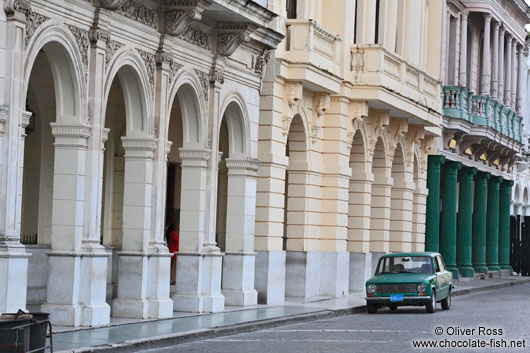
(125, 335)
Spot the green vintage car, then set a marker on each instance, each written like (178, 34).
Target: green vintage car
(410, 279)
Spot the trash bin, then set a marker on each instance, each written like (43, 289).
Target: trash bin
(15, 332)
(39, 327)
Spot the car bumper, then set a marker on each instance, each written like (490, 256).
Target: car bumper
(406, 300)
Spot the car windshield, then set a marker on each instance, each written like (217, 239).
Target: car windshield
(405, 264)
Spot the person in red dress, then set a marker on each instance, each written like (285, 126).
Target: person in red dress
(172, 238)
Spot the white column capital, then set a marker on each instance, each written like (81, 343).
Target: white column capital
(464, 15)
(496, 26)
(194, 157)
(70, 135)
(138, 148)
(242, 166)
(502, 30)
(487, 17)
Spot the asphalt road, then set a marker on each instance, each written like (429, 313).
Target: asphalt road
(491, 317)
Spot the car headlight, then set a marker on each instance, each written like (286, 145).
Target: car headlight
(371, 288)
(421, 288)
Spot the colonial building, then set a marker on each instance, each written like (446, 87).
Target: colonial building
(350, 109)
(97, 98)
(484, 95)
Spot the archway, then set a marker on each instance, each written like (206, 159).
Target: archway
(37, 183)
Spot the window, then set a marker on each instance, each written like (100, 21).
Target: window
(436, 266)
(291, 9)
(406, 264)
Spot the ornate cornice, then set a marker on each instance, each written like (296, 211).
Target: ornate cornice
(138, 12)
(179, 14)
(111, 4)
(231, 35)
(196, 37)
(13, 6)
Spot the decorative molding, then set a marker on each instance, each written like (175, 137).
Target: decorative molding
(138, 12)
(231, 35)
(294, 95)
(415, 135)
(111, 4)
(172, 65)
(83, 41)
(112, 47)
(150, 65)
(322, 103)
(196, 37)
(248, 167)
(70, 135)
(144, 144)
(168, 148)
(195, 157)
(357, 110)
(259, 62)
(217, 75)
(205, 82)
(13, 6)
(33, 21)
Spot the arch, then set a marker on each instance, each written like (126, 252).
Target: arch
(398, 162)
(66, 64)
(236, 114)
(187, 89)
(303, 120)
(516, 194)
(130, 69)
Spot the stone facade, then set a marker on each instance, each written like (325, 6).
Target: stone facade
(96, 99)
(349, 112)
(484, 142)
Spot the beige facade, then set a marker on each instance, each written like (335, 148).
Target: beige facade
(349, 111)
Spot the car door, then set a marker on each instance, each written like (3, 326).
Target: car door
(445, 277)
(437, 281)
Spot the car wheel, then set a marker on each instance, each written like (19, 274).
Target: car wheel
(446, 303)
(371, 308)
(393, 307)
(430, 307)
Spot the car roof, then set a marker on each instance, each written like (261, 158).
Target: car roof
(427, 253)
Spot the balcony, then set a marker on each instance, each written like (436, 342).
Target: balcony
(381, 75)
(309, 43)
(459, 103)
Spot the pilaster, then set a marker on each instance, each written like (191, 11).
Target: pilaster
(463, 49)
(500, 91)
(508, 73)
(495, 61)
(485, 76)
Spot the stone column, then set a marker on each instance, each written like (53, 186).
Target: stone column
(464, 225)
(495, 62)
(492, 225)
(479, 222)
(504, 224)
(508, 72)
(500, 91)
(239, 260)
(432, 225)
(194, 289)
(13, 121)
(485, 76)
(514, 73)
(77, 273)
(135, 298)
(463, 48)
(448, 225)
(520, 83)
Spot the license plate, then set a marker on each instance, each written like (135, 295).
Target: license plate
(396, 297)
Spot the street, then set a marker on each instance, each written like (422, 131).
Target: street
(491, 318)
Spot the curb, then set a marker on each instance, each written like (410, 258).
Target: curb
(178, 338)
(458, 292)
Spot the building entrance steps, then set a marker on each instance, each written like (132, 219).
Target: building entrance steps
(130, 335)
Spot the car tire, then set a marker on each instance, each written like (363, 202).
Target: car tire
(371, 308)
(430, 307)
(446, 303)
(393, 307)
